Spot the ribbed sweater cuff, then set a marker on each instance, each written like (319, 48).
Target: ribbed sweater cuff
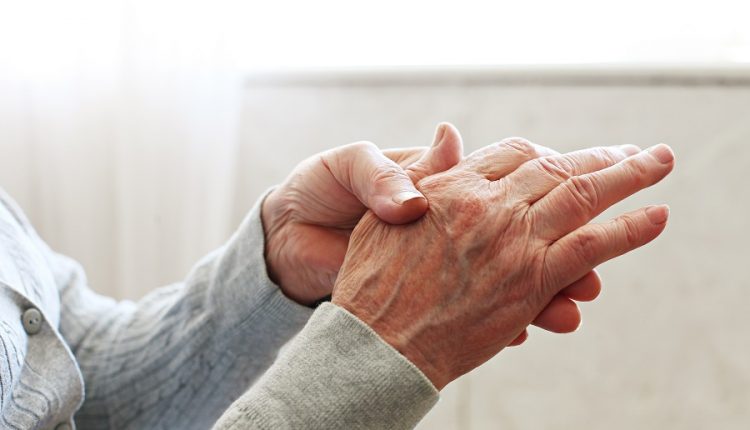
(337, 374)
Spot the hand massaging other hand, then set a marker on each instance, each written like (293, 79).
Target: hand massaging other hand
(309, 218)
(504, 235)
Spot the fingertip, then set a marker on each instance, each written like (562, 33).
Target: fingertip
(662, 152)
(521, 338)
(654, 222)
(404, 197)
(585, 289)
(572, 323)
(658, 214)
(402, 208)
(439, 134)
(444, 126)
(448, 151)
(561, 315)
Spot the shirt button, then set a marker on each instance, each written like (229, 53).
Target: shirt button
(32, 321)
(63, 426)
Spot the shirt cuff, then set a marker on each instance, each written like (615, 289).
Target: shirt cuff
(337, 374)
(243, 291)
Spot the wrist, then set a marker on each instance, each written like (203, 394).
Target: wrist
(399, 339)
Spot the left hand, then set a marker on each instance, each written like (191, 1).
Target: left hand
(308, 219)
(504, 237)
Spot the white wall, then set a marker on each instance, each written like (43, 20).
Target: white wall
(666, 344)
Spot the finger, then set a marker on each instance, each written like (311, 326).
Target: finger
(377, 181)
(580, 198)
(561, 315)
(446, 151)
(580, 251)
(323, 250)
(499, 159)
(585, 289)
(521, 338)
(535, 179)
(405, 156)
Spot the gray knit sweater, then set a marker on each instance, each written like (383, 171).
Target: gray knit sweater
(188, 354)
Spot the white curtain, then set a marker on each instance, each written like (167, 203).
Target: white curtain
(118, 129)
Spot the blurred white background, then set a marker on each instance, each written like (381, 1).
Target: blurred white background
(137, 133)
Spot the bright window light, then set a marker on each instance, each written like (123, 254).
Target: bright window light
(41, 38)
(334, 33)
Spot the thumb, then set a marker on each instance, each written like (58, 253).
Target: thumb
(446, 151)
(377, 181)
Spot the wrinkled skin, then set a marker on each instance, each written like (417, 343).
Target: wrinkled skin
(504, 235)
(308, 219)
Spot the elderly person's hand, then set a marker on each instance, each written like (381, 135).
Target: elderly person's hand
(505, 233)
(308, 219)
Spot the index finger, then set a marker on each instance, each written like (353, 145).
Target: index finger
(500, 159)
(405, 156)
(579, 199)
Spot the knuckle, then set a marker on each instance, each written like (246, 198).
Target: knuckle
(342, 158)
(521, 145)
(559, 168)
(586, 246)
(361, 146)
(583, 191)
(387, 173)
(444, 184)
(638, 171)
(606, 156)
(630, 230)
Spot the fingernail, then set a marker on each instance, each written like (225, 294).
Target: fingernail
(630, 149)
(439, 136)
(405, 196)
(657, 214)
(662, 153)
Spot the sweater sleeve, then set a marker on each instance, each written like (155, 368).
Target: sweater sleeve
(337, 374)
(181, 355)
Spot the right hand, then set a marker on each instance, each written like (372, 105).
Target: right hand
(307, 220)
(504, 234)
